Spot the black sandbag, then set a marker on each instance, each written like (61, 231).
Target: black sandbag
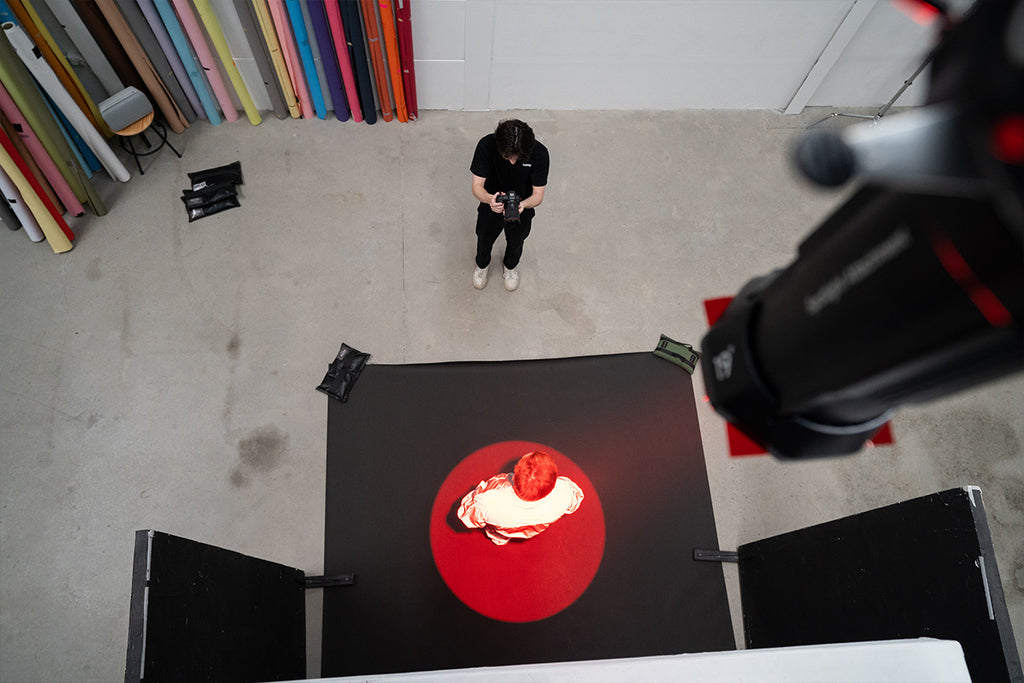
(216, 194)
(212, 187)
(202, 211)
(343, 372)
(228, 173)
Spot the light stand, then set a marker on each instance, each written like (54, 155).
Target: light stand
(885, 107)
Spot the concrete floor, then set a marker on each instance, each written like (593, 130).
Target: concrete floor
(162, 374)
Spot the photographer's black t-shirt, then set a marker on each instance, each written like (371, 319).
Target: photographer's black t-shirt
(501, 176)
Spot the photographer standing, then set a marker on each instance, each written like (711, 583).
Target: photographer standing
(510, 170)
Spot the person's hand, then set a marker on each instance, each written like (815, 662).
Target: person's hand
(496, 206)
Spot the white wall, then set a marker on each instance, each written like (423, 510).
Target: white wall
(664, 54)
(885, 661)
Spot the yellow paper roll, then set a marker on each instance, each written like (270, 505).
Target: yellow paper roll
(220, 44)
(276, 57)
(47, 46)
(58, 241)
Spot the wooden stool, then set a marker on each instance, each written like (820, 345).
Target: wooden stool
(129, 113)
(139, 128)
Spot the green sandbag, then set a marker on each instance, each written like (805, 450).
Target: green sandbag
(679, 353)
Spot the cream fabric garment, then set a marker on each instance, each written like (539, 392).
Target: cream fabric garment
(494, 506)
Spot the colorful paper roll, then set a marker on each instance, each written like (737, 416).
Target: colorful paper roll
(403, 23)
(163, 38)
(159, 94)
(86, 44)
(38, 151)
(47, 48)
(328, 60)
(306, 57)
(380, 72)
(170, 21)
(220, 44)
(291, 56)
(33, 167)
(49, 82)
(54, 229)
(33, 106)
(261, 56)
(357, 54)
(206, 60)
(387, 23)
(11, 198)
(277, 57)
(344, 63)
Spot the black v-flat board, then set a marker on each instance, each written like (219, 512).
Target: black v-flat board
(921, 568)
(202, 613)
(629, 421)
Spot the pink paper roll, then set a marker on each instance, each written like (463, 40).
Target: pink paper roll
(206, 60)
(39, 154)
(56, 231)
(341, 49)
(291, 56)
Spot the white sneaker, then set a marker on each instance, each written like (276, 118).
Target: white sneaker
(511, 279)
(480, 278)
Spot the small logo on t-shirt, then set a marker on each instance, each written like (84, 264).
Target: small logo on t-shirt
(527, 165)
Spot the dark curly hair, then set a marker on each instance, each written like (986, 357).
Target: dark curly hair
(513, 137)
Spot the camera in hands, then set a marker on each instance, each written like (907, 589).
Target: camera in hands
(511, 201)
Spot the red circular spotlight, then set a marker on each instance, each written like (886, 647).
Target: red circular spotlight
(522, 580)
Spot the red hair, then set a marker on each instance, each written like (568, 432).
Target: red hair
(534, 476)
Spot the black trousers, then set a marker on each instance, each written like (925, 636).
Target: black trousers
(489, 225)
